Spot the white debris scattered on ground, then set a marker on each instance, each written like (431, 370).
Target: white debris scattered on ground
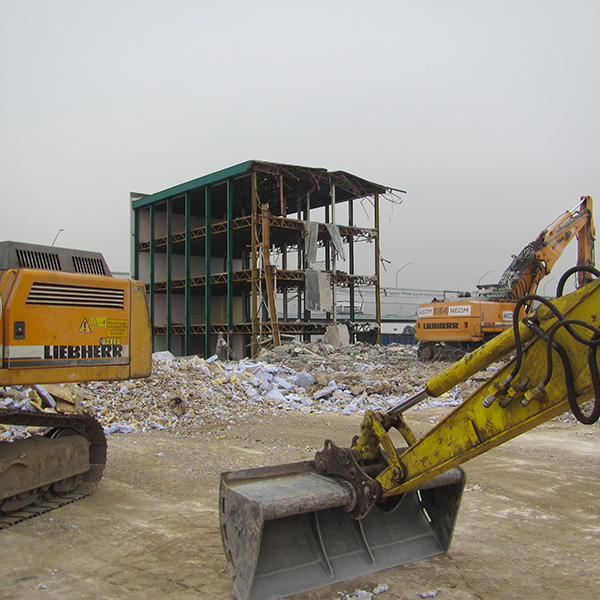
(364, 594)
(311, 378)
(356, 594)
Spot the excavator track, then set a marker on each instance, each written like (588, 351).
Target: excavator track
(64, 429)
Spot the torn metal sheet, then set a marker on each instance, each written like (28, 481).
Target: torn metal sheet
(336, 239)
(318, 290)
(311, 239)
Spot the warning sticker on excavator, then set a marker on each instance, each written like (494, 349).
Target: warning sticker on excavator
(117, 328)
(85, 327)
(98, 322)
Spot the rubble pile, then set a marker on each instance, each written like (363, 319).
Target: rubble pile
(185, 393)
(296, 354)
(37, 398)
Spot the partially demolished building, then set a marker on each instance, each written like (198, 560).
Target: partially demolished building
(255, 253)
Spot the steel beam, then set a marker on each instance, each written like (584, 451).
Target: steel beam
(377, 273)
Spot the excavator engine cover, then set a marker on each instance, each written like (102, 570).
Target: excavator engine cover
(286, 529)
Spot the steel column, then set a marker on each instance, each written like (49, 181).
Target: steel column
(327, 255)
(230, 262)
(187, 301)
(305, 265)
(207, 271)
(333, 256)
(254, 284)
(169, 271)
(351, 255)
(136, 239)
(152, 247)
(377, 272)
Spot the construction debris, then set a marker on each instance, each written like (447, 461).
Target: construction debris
(337, 336)
(183, 394)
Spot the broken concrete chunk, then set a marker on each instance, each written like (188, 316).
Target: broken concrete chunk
(60, 392)
(304, 379)
(164, 355)
(337, 336)
(322, 378)
(326, 391)
(47, 399)
(275, 394)
(118, 428)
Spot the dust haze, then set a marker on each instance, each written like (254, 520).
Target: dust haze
(485, 113)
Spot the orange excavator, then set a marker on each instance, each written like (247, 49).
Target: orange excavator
(449, 329)
(63, 319)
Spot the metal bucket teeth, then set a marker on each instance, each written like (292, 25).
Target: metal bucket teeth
(287, 530)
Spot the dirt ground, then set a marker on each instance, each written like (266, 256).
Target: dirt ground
(528, 527)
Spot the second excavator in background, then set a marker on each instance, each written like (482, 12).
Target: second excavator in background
(449, 329)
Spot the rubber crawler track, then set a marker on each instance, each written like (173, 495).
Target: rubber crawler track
(89, 428)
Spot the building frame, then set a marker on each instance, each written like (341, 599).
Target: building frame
(216, 255)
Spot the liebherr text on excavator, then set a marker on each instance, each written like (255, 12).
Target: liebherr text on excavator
(356, 510)
(63, 319)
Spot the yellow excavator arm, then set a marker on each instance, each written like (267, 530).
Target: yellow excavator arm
(574, 223)
(452, 328)
(555, 369)
(371, 506)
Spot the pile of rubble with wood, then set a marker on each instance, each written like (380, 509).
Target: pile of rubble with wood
(189, 393)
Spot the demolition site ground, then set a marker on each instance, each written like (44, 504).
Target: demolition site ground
(528, 526)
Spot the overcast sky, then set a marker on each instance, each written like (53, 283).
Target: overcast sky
(486, 113)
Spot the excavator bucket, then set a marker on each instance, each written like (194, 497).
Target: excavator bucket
(286, 529)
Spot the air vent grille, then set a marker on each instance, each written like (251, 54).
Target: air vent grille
(33, 259)
(75, 295)
(91, 266)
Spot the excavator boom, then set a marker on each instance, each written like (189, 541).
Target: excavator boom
(371, 506)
